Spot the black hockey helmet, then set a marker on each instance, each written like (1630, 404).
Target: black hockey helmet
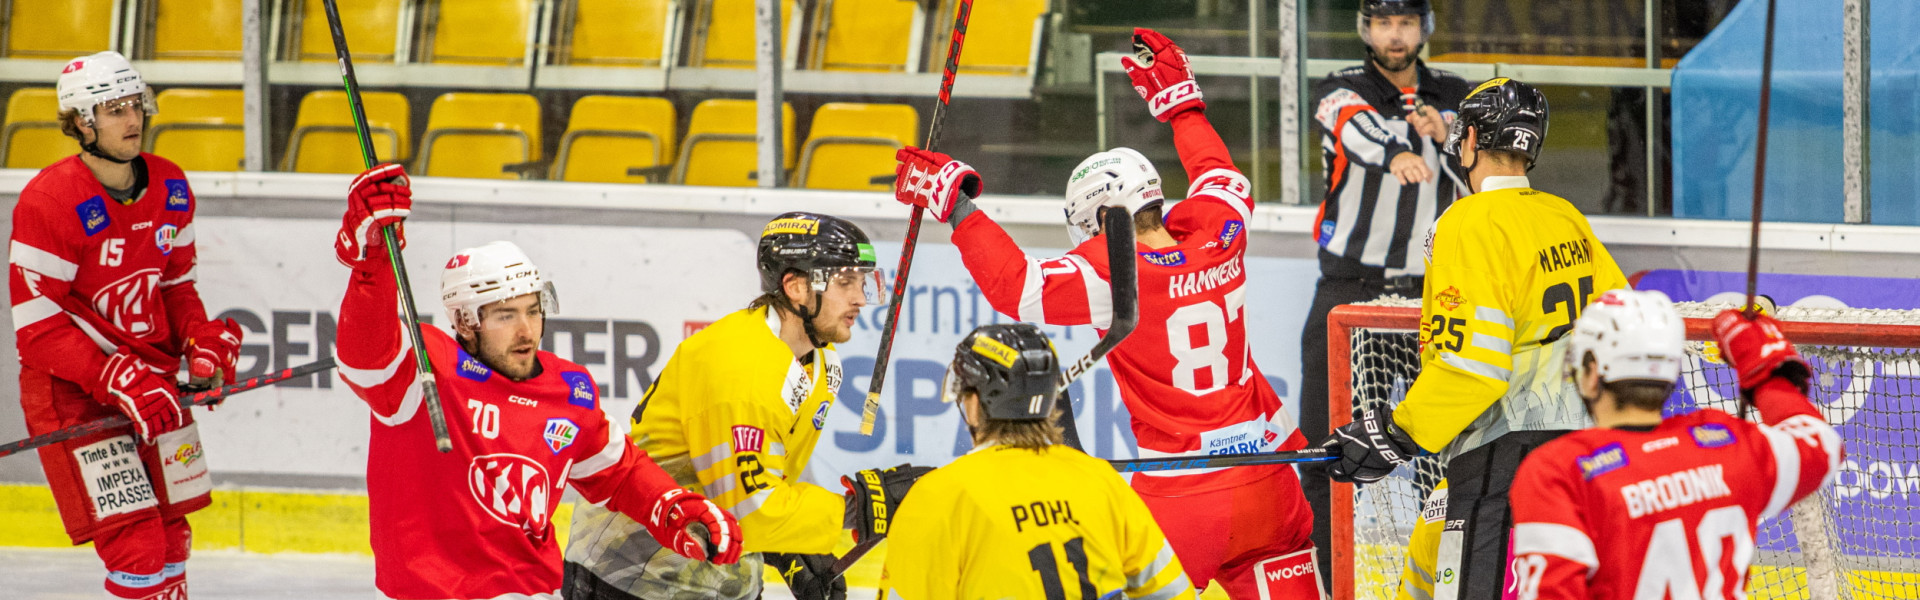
(826, 249)
(1506, 115)
(1383, 8)
(1011, 366)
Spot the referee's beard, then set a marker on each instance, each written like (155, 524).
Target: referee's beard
(1395, 61)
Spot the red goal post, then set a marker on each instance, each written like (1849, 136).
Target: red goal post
(1874, 336)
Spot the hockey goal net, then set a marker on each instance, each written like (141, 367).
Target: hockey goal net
(1858, 538)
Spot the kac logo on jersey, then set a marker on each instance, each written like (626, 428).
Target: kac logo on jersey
(472, 368)
(129, 303)
(1711, 435)
(581, 390)
(1230, 233)
(179, 197)
(559, 434)
(164, 236)
(1607, 458)
(1166, 259)
(513, 489)
(93, 215)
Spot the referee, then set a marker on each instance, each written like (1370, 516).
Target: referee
(1381, 124)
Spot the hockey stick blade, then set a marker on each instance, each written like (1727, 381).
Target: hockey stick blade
(1310, 455)
(1124, 283)
(878, 380)
(429, 391)
(199, 399)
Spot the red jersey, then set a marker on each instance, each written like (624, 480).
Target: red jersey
(90, 274)
(473, 523)
(1616, 514)
(1185, 373)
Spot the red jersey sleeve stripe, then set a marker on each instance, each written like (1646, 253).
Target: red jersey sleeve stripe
(184, 237)
(367, 378)
(192, 275)
(409, 404)
(1555, 539)
(1099, 294)
(609, 455)
(33, 311)
(45, 263)
(1033, 305)
(1240, 204)
(1786, 463)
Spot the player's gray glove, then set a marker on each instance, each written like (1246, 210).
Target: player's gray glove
(1369, 448)
(810, 576)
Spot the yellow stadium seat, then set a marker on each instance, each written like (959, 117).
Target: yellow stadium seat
(851, 143)
(719, 148)
(476, 135)
(369, 25)
(196, 29)
(199, 129)
(32, 137)
(481, 32)
(1000, 37)
(609, 135)
(58, 29)
(324, 140)
(725, 36)
(619, 32)
(866, 35)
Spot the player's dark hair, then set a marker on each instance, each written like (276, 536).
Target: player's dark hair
(1035, 435)
(1148, 219)
(70, 124)
(777, 298)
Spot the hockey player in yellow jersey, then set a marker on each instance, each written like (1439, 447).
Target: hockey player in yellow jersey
(735, 414)
(1023, 516)
(1509, 270)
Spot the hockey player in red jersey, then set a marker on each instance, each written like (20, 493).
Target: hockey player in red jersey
(104, 310)
(1645, 507)
(1186, 374)
(474, 523)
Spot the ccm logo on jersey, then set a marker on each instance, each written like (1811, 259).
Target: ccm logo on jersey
(581, 390)
(1607, 458)
(93, 215)
(178, 196)
(1711, 435)
(559, 434)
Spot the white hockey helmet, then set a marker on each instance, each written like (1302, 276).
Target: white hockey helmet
(90, 80)
(487, 274)
(1118, 177)
(1633, 335)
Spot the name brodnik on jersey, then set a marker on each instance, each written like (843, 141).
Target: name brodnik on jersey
(1200, 281)
(1674, 490)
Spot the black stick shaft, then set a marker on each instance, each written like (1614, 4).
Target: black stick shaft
(880, 359)
(429, 391)
(1137, 465)
(1760, 162)
(200, 399)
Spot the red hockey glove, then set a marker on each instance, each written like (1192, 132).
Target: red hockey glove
(1160, 73)
(677, 510)
(1757, 351)
(1369, 448)
(379, 197)
(212, 349)
(130, 385)
(874, 495)
(934, 181)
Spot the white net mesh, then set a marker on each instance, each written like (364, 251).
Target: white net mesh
(1858, 538)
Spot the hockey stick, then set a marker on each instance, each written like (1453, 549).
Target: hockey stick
(879, 378)
(1124, 282)
(1760, 168)
(428, 390)
(1310, 455)
(199, 399)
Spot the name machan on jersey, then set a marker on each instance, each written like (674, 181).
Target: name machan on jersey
(1669, 512)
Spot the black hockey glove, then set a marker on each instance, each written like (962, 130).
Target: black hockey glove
(1369, 448)
(874, 495)
(810, 576)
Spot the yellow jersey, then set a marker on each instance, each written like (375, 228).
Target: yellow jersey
(1509, 269)
(1005, 522)
(734, 416)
